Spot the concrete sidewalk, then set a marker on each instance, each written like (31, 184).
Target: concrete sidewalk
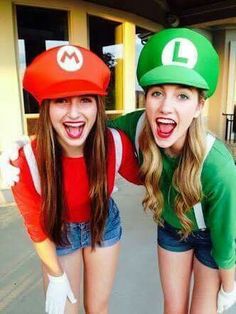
(137, 286)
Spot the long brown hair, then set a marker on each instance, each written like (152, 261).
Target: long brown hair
(189, 167)
(49, 160)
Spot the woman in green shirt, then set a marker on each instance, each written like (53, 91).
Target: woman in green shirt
(189, 175)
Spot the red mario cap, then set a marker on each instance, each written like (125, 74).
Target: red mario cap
(66, 71)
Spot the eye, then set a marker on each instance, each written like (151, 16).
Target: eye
(61, 100)
(183, 96)
(156, 93)
(86, 99)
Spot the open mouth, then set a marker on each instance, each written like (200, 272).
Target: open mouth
(74, 130)
(165, 127)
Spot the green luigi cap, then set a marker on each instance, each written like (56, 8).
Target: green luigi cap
(179, 56)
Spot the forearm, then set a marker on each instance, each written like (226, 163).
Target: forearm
(59, 289)
(227, 277)
(46, 251)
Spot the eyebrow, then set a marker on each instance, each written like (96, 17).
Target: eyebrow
(185, 87)
(178, 85)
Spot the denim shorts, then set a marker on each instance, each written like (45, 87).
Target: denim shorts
(169, 238)
(79, 234)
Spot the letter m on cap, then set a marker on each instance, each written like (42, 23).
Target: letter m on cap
(71, 56)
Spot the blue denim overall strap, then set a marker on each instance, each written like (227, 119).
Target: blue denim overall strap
(198, 212)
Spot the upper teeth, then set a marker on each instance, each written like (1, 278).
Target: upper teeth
(74, 125)
(167, 121)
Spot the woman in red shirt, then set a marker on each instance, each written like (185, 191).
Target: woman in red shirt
(67, 176)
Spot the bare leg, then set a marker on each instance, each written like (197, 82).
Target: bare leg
(99, 273)
(206, 287)
(175, 273)
(71, 264)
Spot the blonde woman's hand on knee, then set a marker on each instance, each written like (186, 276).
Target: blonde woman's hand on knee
(58, 291)
(226, 299)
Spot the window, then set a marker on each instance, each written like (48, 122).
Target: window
(38, 29)
(103, 41)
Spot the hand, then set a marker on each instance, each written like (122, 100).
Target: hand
(12, 153)
(58, 291)
(10, 174)
(226, 299)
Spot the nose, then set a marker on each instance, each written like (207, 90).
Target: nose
(166, 105)
(74, 108)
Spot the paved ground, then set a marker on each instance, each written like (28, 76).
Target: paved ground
(137, 287)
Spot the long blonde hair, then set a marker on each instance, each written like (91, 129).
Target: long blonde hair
(187, 176)
(49, 160)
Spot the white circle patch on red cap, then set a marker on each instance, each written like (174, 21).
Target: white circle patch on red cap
(69, 58)
(180, 51)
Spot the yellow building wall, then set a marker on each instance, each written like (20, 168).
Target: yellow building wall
(125, 68)
(230, 43)
(218, 100)
(220, 103)
(119, 92)
(10, 108)
(129, 67)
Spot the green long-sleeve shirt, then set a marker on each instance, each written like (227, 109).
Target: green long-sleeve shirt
(218, 180)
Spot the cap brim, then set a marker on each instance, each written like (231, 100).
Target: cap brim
(70, 88)
(173, 74)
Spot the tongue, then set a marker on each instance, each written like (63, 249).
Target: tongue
(74, 131)
(166, 128)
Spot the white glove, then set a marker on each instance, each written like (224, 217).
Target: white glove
(9, 173)
(58, 291)
(226, 299)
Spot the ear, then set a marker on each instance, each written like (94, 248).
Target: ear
(199, 107)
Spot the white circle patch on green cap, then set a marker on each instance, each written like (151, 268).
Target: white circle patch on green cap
(180, 51)
(69, 58)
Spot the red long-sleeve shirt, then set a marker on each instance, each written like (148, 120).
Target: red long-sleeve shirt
(75, 183)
